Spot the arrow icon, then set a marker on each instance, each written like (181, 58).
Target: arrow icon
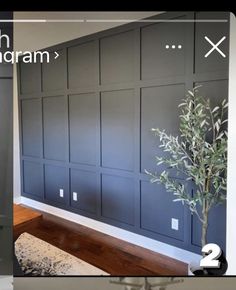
(56, 55)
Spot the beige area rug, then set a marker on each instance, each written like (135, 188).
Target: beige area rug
(39, 258)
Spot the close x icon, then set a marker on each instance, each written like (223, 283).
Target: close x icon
(215, 46)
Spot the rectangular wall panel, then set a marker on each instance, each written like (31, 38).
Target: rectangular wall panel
(84, 125)
(154, 214)
(56, 184)
(118, 198)
(117, 58)
(216, 91)
(33, 178)
(31, 118)
(84, 185)
(54, 72)
(216, 230)
(214, 32)
(30, 78)
(159, 109)
(55, 128)
(156, 60)
(117, 125)
(82, 65)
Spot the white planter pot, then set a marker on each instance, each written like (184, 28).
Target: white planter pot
(193, 266)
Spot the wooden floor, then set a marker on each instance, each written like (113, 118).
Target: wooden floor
(24, 215)
(110, 254)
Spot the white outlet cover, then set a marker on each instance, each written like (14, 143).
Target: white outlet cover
(175, 224)
(61, 192)
(75, 196)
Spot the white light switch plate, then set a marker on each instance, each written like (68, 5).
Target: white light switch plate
(175, 224)
(61, 192)
(75, 196)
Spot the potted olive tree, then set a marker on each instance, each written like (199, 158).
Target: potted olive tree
(198, 154)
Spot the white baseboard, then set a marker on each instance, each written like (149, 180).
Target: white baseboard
(127, 236)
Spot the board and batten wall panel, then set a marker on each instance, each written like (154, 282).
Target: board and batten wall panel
(84, 124)
(118, 198)
(30, 78)
(153, 209)
(32, 127)
(33, 178)
(117, 127)
(56, 184)
(85, 184)
(156, 61)
(97, 103)
(214, 31)
(117, 58)
(159, 109)
(54, 73)
(55, 128)
(82, 65)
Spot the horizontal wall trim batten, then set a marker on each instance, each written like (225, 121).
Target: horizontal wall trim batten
(200, 77)
(153, 245)
(142, 176)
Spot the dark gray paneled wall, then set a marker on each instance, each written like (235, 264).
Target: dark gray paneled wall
(6, 144)
(86, 120)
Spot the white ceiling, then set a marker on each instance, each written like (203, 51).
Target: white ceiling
(103, 284)
(33, 36)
